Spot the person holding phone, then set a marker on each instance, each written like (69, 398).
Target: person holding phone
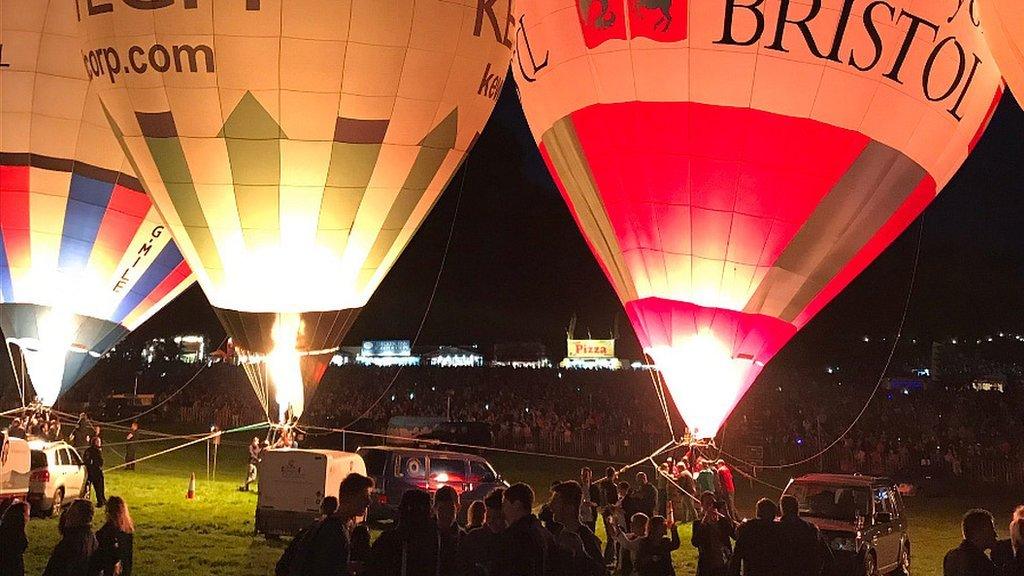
(654, 556)
(712, 537)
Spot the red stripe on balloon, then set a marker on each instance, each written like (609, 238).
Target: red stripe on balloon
(15, 215)
(172, 281)
(125, 213)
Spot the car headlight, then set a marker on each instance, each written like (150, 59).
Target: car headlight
(844, 544)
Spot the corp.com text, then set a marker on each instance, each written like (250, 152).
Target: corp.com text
(112, 63)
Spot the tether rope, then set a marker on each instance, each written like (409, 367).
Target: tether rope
(202, 438)
(878, 384)
(430, 301)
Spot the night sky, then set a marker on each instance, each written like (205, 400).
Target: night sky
(518, 269)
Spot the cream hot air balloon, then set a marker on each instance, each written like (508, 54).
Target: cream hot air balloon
(1003, 22)
(294, 147)
(84, 257)
(735, 164)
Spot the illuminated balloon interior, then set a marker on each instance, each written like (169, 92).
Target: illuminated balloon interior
(734, 166)
(295, 147)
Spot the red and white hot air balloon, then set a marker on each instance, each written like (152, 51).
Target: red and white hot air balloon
(735, 164)
(1003, 22)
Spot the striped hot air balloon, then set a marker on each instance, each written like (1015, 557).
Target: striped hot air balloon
(84, 256)
(735, 164)
(1003, 22)
(294, 147)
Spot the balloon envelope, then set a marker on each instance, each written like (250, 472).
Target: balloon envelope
(1003, 22)
(84, 256)
(734, 165)
(295, 146)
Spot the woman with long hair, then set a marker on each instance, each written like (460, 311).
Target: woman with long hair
(73, 554)
(116, 540)
(13, 540)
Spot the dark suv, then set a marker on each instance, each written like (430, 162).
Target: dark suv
(396, 469)
(863, 519)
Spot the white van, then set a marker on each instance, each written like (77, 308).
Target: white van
(293, 481)
(15, 465)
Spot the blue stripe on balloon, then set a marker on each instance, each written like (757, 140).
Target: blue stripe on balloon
(87, 203)
(6, 286)
(165, 262)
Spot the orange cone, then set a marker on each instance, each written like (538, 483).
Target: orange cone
(191, 494)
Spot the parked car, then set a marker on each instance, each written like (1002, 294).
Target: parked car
(396, 469)
(460, 432)
(293, 481)
(435, 432)
(14, 469)
(57, 476)
(862, 517)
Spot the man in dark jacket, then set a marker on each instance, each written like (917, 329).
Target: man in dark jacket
(93, 458)
(129, 446)
(79, 436)
(413, 546)
(758, 551)
(482, 547)
(969, 558)
(300, 543)
(578, 550)
(805, 550)
(712, 537)
(327, 551)
(528, 544)
(446, 512)
(646, 495)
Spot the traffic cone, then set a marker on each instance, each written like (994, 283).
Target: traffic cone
(191, 494)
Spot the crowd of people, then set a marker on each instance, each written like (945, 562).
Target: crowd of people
(907, 434)
(36, 423)
(510, 533)
(81, 551)
(502, 536)
(933, 432)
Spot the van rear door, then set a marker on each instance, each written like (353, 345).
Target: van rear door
(14, 468)
(292, 480)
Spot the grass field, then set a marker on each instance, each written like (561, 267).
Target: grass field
(213, 534)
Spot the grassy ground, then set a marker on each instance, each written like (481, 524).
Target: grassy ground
(214, 533)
